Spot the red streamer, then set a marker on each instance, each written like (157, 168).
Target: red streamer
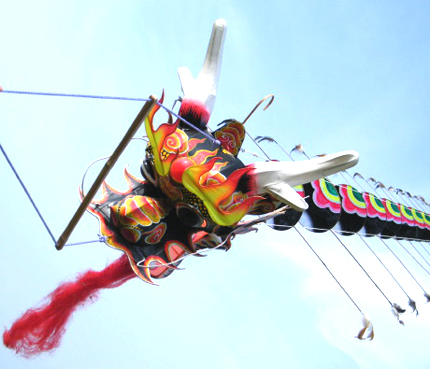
(40, 329)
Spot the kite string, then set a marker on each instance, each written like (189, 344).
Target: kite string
(362, 268)
(422, 266)
(100, 239)
(419, 253)
(404, 266)
(104, 97)
(59, 94)
(379, 259)
(341, 242)
(425, 249)
(28, 194)
(320, 259)
(328, 269)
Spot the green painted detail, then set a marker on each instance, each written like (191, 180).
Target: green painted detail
(408, 211)
(395, 207)
(358, 196)
(418, 215)
(377, 203)
(330, 188)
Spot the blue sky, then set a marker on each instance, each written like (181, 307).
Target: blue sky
(346, 75)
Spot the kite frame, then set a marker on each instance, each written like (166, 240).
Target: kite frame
(140, 118)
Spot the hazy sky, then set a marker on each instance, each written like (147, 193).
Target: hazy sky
(346, 75)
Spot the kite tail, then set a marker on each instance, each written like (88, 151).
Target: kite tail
(40, 329)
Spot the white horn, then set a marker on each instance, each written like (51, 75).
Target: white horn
(204, 87)
(278, 178)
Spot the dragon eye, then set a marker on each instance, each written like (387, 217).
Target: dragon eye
(189, 215)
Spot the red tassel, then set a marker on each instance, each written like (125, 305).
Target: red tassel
(40, 329)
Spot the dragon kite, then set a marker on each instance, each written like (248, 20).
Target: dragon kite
(196, 194)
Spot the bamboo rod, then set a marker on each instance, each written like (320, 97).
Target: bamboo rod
(146, 109)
